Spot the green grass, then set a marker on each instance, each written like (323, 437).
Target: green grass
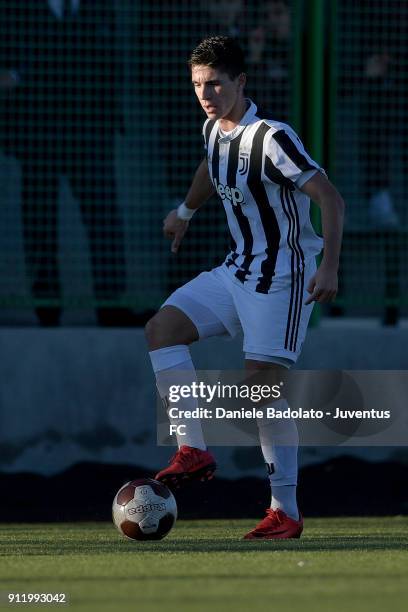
(338, 565)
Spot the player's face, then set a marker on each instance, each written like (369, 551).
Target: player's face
(218, 94)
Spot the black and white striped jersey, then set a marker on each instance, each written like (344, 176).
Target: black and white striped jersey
(257, 170)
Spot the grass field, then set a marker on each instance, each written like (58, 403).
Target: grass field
(339, 564)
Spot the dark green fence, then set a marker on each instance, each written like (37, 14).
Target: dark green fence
(100, 134)
(369, 145)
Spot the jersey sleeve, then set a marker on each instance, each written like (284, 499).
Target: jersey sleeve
(287, 156)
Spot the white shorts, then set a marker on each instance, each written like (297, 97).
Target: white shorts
(273, 324)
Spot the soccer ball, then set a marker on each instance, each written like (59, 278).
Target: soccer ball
(144, 509)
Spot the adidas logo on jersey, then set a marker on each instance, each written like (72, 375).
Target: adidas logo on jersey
(233, 194)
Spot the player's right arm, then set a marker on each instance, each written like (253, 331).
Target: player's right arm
(176, 223)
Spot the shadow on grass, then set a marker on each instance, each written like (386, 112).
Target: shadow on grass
(163, 578)
(319, 544)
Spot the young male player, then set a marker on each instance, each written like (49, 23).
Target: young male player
(264, 178)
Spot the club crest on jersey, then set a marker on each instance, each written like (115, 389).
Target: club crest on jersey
(233, 194)
(243, 163)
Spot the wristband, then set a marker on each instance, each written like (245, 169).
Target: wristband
(185, 213)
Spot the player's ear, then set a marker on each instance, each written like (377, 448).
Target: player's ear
(242, 80)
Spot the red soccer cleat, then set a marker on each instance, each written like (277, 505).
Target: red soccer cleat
(188, 464)
(276, 526)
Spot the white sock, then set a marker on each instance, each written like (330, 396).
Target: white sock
(279, 443)
(172, 365)
(284, 497)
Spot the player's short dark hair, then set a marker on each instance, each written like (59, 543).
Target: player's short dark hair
(222, 52)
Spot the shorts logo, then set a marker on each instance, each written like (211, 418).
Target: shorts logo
(243, 163)
(270, 468)
(233, 194)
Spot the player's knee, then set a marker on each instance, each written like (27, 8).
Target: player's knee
(153, 331)
(158, 332)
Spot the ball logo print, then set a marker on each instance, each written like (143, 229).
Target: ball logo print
(144, 509)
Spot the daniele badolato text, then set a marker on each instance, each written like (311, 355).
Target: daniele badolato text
(274, 413)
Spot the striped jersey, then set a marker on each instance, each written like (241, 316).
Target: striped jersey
(257, 170)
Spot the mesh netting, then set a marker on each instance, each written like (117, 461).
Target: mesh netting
(100, 134)
(370, 138)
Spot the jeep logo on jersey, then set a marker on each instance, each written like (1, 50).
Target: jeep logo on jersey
(233, 194)
(243, 163)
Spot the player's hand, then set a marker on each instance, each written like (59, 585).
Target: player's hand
(174, 229)
(323, 286)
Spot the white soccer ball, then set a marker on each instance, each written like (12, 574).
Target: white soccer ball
(144, 509)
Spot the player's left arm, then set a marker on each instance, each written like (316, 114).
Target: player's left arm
(324, 284)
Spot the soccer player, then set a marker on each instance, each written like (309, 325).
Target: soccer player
(267, 284)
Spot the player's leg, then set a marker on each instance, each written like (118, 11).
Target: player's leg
(196, 310)
(274, 327)
(169, 334)
(279, 444)
(169, 327)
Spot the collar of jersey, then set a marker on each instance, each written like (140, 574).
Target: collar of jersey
(246, 120)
